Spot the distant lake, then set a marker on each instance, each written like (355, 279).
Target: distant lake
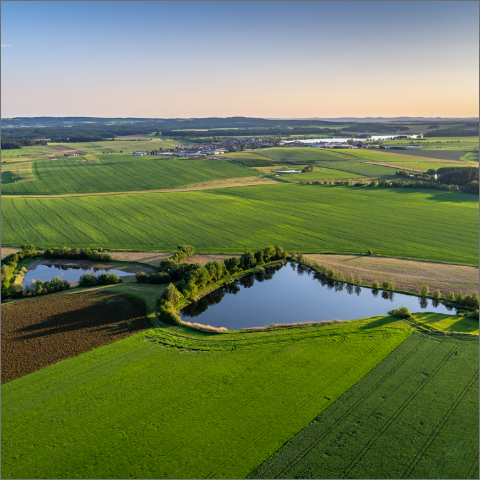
(293, 293)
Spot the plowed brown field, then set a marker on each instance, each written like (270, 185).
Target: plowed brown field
(42, 331)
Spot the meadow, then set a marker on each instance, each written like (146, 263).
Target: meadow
(20, 152)
(361, 168)
(17, 172)
(319, 173)
(163, 405)
(415, 415)
(422, 166)
(115, 173)
(410, 223)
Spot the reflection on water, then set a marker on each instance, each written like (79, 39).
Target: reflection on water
(67, 272)
(294, 293)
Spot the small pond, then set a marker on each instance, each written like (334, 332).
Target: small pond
(293, 293)
(70, 272)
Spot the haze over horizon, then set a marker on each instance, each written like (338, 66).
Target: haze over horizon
(262, 59)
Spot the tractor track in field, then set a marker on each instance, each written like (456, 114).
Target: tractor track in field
(439, 427)
(328, 429)
(397, 413)
(338, 376)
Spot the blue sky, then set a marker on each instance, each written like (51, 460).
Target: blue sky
(271, 59)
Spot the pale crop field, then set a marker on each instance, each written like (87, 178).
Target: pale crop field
(409, 223)
(17, 172)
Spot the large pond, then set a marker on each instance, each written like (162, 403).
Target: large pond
(344, 139)
(293, 293)
(69, 272)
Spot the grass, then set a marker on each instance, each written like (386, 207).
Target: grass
(17, 172)
(320, 173)
(470, 157)
(284, 154)
(163, 404)
(423, 166)
(20, 152)
(424, 224)
(415, 415)
(360, 168)
(117, 173)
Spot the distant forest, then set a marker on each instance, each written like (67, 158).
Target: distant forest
(8, 144)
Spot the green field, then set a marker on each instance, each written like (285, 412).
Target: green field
(427, 224)
(284, 154)
(117, 173)
(20, 152)
(470, 157)
(415, 415)
(361, 168)
(17, 172)
(319, 173)
(424, 166)
(213, 406)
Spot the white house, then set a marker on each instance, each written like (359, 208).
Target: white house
(139, 154)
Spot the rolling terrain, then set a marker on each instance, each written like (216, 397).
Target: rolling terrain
(424, 224)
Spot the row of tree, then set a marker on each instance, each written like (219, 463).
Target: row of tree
(10, 266)
(39, 287)
(91, 280)
(11, 144)
(79, 254)
(190, 278)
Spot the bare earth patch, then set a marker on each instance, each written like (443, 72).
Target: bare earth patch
(152, 258)
(408, 275)
(204, 259)
(6, 251)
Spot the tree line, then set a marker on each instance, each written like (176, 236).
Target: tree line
(91, 280)
(11, 144)
(79, 254)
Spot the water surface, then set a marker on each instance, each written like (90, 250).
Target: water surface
(293, 293)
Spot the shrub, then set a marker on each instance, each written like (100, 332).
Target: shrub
(369, 252)
(424, 291)
(402, 312)
(171, 295)
(437, 295)
(474, 314)
(392, 286)
(459, 298)
(359, 281)
(386, 285)
(350, 278)
(375, 285)
(91, 280)
(169, 316)
(450, 297)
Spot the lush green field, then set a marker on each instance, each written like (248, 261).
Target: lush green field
(470, 157)
(17, 172)
(361, 168)
(285, 154)
(116, 174)
(209, 406)
(415, 415)
(427, 224)
(19, 152)
(424, 166)
(319, 173)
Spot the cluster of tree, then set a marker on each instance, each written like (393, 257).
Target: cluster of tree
(79, 254)
(10, 265)
(457, 176)
(10, 144)
(454, 132)
(81, 138)
(402, 312)
(91, 280)
(460, 299)
(56, 284)
(183, 252)
(260, 132)
(255, 163)
(307, 169)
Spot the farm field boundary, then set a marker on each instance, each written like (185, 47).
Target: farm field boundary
(385, 426)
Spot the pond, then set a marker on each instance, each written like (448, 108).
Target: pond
(344, 139)
(71, 271)
(293, 293)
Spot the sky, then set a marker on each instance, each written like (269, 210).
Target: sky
(257, 59)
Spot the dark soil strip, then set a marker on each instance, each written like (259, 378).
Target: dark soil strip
(42, 331)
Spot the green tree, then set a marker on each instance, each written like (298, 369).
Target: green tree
(359, 281)
(450, 297)
(437, 295)
(350, 278)
(392, 286)
(375, 285)
(269, 253)
(459, 298)
(424, 291)
(386, 285)
(247, 260)
(171, 295)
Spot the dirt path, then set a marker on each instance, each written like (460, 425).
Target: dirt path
(207, 185)
(408, 275)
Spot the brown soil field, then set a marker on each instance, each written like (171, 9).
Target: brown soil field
(408, 275)
(204, 259)
(42, 331)
(207, 185)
